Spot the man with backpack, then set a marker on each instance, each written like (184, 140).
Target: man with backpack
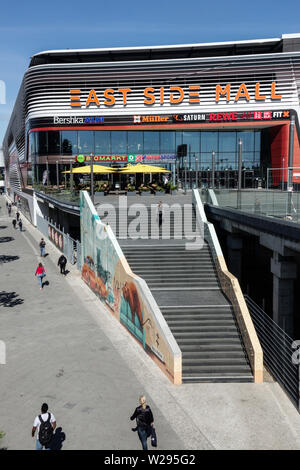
(45, 424)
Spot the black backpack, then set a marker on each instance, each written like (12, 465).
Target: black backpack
(46, 430)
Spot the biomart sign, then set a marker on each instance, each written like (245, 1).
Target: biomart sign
(171, 95)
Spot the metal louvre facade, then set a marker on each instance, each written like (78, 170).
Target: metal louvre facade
(47, 87)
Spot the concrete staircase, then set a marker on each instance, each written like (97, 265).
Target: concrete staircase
(185, 286)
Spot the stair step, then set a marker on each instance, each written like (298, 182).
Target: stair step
(214, 361)
(237, 368)
(217, 378)
(194, 351)
(202, 328)
(211, 341)
(201, 323)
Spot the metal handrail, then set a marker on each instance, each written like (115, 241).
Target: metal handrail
(277, 350)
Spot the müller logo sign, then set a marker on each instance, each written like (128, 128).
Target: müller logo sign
(175, 95)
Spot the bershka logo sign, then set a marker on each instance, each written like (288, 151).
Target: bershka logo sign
(78, 120)
(172, 95)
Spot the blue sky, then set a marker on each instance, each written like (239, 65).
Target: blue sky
(33, 26)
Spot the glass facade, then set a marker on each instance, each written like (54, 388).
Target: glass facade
(199, 145)
(53, 150)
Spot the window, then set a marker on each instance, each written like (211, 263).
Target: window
(86, 142)
(31, 145)
(102, 143)
(192, 139)
(53, 143)
(227, 141)
(209, 142)
(151, 142)
(135, 142)
(119, 142)
(69, 143)
(167, 142)
(247, 140)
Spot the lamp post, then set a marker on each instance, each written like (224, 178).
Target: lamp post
(185, 175)
(213, 170)
(282, 182)
(196, 173)
(92, 177)
(47, 170)
(71, 177)
(239, 194)
(57, 176)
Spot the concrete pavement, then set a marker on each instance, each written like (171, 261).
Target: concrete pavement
(64, 348)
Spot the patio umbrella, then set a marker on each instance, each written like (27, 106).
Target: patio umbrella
(142, 168)
(96, 169)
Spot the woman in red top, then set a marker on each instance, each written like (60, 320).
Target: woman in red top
(40, 273)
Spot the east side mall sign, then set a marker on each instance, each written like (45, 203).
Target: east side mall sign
(176, 95)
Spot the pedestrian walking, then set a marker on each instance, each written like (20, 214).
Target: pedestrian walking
(40, 273)
(9, 209)
(6, 205)
(45, 425)
(14, 222)
(62, 261)
(160, 213)
(144, 421)
(20, 225)
(42, 247)
(18, 215)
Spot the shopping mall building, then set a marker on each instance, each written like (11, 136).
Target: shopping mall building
(167, 105)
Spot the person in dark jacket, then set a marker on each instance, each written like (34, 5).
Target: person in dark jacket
(20, 225)
(62, 261)
(42, 247)
(14, 222)
(144, 421)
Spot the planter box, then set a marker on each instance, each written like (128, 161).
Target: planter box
(99, 193)
(131, 193)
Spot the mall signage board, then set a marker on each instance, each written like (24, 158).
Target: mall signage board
(130, 158)
(172, 95)
(181, 120)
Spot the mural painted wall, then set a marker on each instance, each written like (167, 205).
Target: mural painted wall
(125, 295)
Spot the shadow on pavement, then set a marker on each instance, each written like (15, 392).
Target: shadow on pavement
(2, 227)
(6, 239)
(7, 259)
(9, 299)
(58, 439)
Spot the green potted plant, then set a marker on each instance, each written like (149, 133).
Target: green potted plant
(131, 190)
(2, 434)
(173, 188)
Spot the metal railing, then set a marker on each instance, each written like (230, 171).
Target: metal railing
(279, 350)
(66, 244)
(272, 203)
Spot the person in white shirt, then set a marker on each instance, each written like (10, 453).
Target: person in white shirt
(45, 416)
